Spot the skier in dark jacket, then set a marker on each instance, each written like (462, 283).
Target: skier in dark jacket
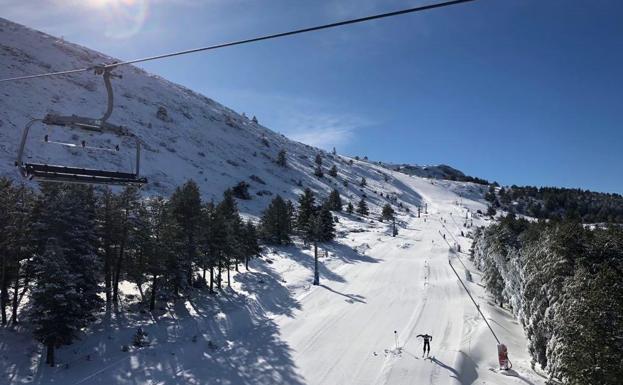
(427, 340)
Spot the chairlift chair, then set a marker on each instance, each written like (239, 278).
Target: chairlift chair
(69, 174)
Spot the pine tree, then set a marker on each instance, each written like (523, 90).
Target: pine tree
(186, 209)
(241, 190)
(276, 225)
(292, 214)
(333, 171)
(491, 211)
(17, 243)
(362, 207)
(5, 278)
(66, 294)
(490, 195)
(335, 201)
(251, 246)
(107, 217)
(306, 210)
(318, 160)
(327, 226)
(588, 346)
(349, 208)
(55, 299)
(227, 213)
(388, 213)
(141, 248)
(213, 237)
(318, 171)
(363, 182)
(281, 158)
(160, 246)
(126, 205)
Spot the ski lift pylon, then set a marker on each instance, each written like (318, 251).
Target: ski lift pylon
(69, 174)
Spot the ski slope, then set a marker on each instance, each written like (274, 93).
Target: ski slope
(274, 327)
(344, 330)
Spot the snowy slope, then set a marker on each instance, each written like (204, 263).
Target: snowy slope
(199, 139)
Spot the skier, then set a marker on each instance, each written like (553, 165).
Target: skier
(427, 340)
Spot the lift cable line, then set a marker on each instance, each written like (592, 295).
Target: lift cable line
(245, 41)
(504, 361)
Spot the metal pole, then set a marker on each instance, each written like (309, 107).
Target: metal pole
(475, 304)
(138, 157)
(20, 152)
(396, 338)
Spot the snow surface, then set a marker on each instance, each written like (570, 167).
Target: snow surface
(272, 326)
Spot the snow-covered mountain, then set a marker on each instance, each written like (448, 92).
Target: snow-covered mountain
(440, 171)
(185, 135)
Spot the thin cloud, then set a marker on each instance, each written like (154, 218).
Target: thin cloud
(302, 119)
(323, 130)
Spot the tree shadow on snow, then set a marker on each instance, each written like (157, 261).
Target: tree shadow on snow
(222, 339)
(271, 295)
(348, 254)
(307, 261)
(350, 298)
(226, 338)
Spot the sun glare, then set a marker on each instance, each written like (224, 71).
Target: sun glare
(121, 18)
(104, 3)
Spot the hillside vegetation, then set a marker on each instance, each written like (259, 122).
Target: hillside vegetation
(563, 281)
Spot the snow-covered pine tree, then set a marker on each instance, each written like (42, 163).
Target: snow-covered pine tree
(588, 346)
(546, 270)
(333, 171)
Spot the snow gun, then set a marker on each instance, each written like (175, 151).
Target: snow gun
(505, 363)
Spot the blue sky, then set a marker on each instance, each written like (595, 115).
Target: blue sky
(517, 91)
